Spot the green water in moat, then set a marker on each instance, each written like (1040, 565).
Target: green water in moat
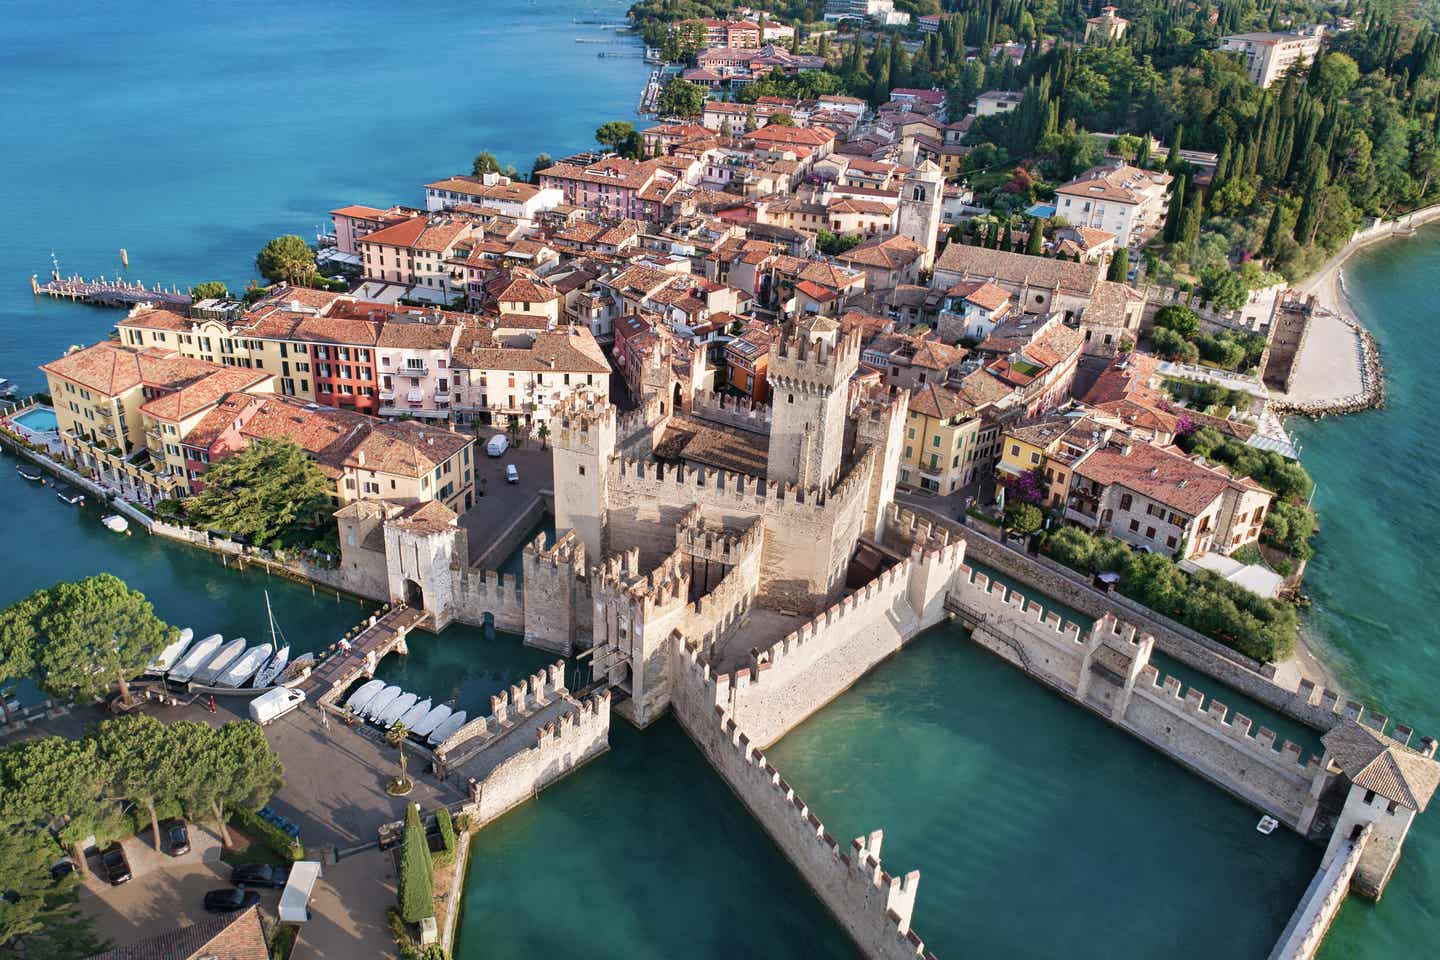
(1036, 827)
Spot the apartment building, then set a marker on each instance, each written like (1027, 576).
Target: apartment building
(1160, 500)
(1051, 448)
(1270, 56)
(414, 369)
(123, 411)
(506, 368)
(357, 221)
(614, 187)
(997, 101)
(414, 251)
(942, 441)
(519, 201)
(1118, 198)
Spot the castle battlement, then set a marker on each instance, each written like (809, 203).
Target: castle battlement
(806, 362)
(696, 538)
(568, 724)
(991, 597)
(584, 423)
(567, 551)
(1192, 703)
(507, 708)
(731, 410)
(644, 417)
(739, 487)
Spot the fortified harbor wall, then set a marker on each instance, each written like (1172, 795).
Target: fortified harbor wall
(873, 907)
(1310, 704)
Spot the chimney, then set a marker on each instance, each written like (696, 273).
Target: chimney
(360, 457)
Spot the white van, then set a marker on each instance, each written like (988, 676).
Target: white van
(498, 445)
(274, 704)
(512, 475)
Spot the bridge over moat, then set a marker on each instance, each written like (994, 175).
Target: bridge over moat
(382, 634)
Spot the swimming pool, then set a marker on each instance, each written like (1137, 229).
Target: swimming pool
(39, 419)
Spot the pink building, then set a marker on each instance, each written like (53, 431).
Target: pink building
(415, 375)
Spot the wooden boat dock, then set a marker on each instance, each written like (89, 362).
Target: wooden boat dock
(108, 293)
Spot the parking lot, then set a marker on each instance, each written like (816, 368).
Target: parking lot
(503, 502)
(164, 892)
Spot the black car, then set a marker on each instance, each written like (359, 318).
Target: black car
(177, 837)
(117, 868)
(231, 900)
(259, 875)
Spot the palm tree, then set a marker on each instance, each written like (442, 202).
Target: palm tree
(512, 427)
(395, 736)
(543, 432)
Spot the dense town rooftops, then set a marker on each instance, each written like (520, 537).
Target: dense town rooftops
(432, 234)
(886, 253)
(205, 392)
(569, 349)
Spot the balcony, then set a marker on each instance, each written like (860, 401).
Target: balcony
(415, 395)
(387, 393)
(410, 370)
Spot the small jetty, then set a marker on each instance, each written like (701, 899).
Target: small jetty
(651, 94)
(361, 654)
(108, 293)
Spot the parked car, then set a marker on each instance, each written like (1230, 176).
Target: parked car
(498, 445)
(512, 475)
(177, 837)
(117, 867)
(231, 900)
(259, 875)
(61, 869)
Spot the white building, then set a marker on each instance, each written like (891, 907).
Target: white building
(997, 101)
(1118, 198)
(1269, 56)
(522, 201)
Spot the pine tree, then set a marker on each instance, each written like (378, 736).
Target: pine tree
(417, 873)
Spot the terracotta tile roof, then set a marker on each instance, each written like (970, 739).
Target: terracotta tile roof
(203, 393)
(1124, 378)
(570, 349)
(431, 233)
(326, 433)
(221, 417)
(108, 368)
(405, 447)
(236, 936)
(940, 403)
(890, 253)
(1017, 268)
(1167, 478)
(1375, 762)
(980, 388)
(859, 205)
(518, 288)
(476, 187)
(1120, 184)
(157, 318)
(982, 293)
(415, 335)
(432, 516)
(614, 171)
(359, 211)
(815, 291)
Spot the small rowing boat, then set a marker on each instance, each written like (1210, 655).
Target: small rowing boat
(447, 729)
(170, 656)
(116, 523)
(361, 698)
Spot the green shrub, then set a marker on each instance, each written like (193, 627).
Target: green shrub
(267, 833)
(417, 872)
(447, 828)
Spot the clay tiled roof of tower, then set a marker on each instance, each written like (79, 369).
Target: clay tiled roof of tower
(1018, 268)
(1375, 762)
(235, 936)
(941, 403)
(431, 516)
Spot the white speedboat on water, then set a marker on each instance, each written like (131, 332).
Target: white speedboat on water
(382, 700)
(116, 523)
(361, 698)
(415, 714)
(427, 724)
(387, 717)
(245, 666)
(195, 658)
(226, 655)
(170, 656)
(447, 729)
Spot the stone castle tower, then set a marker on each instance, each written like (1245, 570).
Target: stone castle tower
(584, 439)
(921, 196)
(810, 370)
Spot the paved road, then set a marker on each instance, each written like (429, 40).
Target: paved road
(493, 513)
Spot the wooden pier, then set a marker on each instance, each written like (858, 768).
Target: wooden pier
(381, 635)
(108, 293)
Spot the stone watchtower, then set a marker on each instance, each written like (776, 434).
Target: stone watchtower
(921, 196)
(584, 440)
(810, 370)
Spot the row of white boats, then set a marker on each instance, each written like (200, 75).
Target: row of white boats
(387, 705)
(213, 662)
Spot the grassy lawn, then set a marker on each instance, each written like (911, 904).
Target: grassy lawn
(244, 850)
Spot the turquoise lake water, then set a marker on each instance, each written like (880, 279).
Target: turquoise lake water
(191, 134)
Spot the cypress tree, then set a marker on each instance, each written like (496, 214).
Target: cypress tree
(417, 874)
(1035, 245)
(1007, 241)
(1172, 162)
(1119, 266)
(1177, 204)
(1271, 244)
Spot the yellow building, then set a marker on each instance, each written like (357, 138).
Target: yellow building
(1053, 446)
(941, 434)
(123, 411)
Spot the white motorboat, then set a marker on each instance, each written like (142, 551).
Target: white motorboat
(1267, 825)
(245, 666)
(8, 389)
(361, 698)
(272, 670)
(431, 720)
(168, 657)
(116, 523)
(447, 728)
(387, 717)
(382, 700)
(415, 714)
(216, 665)
(195, 658)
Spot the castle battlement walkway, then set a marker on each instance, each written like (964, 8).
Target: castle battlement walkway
(382, 634)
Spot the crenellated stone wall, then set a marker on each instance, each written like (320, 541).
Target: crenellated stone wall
(874, 907)
(732, 411)
(478, 592)
(805, 670)
(557, 595)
